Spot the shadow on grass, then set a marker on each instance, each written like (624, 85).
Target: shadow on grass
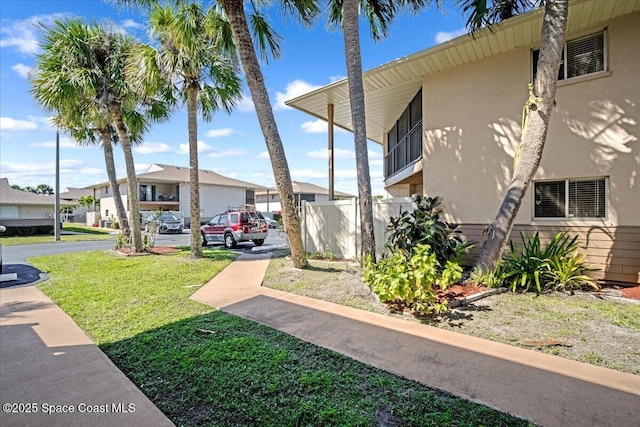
(219, 369)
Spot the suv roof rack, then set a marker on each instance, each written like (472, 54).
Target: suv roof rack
(237, 208)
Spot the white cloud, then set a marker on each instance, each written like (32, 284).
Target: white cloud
(93, 171)
(7, 123)
(64, 143)
(294, 89)
(130, 23)
(333, 79)
(216, 133)
(227, 153)
(338, 154)
(378, 162)
(319, 126)
(21, 69)
(443, 36)
(202, 148)
(246, 104)
(30, 173)
(153, 148)
(263, 155)
(302, 174)
(23, 35)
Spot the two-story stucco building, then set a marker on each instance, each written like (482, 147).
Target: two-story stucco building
(449, 120)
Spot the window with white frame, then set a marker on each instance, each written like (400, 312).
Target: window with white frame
(581, 56)
(580, 198)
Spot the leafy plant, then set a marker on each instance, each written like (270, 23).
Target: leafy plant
(451, 274)
(568, 273)
(326, 254)
(492, 279)
(424, 226)
(555, 267)
(395, 280)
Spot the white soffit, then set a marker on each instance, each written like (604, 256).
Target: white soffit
(390, 87)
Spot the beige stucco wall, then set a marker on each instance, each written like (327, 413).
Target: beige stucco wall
(472, 120)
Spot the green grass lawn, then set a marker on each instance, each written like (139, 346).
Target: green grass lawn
(204, 367)
(89, 233)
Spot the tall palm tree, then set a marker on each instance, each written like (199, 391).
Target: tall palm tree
(539, 107)
(191, 56)
(379, 14)
(86, 130)
(265, 39)
(306, 10)
(92, 63)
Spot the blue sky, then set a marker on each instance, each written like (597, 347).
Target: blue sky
(231, 145)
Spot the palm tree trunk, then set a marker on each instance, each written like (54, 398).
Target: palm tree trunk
(350, 30)
(194, 179)
(534, 135)
(234, 10)
(132, 180)
(113, 180)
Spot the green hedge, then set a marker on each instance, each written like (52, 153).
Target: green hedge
(28, 230)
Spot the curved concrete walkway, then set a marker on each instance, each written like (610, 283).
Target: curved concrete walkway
(548, 390)
(52, 374)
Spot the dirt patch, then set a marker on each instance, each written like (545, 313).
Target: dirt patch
(588, 326)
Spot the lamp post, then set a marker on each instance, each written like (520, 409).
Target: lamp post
(56, 225)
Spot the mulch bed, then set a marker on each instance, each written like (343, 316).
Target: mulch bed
(156, 250)
(459, 291)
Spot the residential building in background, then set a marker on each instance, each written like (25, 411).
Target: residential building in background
(268, 199)
(166, 188)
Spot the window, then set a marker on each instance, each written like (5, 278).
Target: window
(585, 55)
(585, 198)
(404, 140)
(307, 197)
(249, 197)
(9, 212)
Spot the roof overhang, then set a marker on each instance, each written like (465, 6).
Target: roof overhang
(390, 87)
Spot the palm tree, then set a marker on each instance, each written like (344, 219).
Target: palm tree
(191, 55)
(539, 107)
(346, 14)
(235, 13)
(87, 127)
(93, 61)
(53, 88)
(243, 44)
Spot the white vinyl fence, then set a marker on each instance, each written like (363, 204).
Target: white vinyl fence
(336, 225)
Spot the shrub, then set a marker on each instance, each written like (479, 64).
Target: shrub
(115, 225)
(28, 230)
(557, 267)
(423, 226)
(411, 283)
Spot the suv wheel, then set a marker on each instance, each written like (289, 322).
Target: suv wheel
(258, 242)
(229, 241)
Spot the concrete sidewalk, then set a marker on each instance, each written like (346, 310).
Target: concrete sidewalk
(548, 390)
(47, 363)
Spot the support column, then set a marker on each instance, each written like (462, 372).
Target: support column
(330, 151)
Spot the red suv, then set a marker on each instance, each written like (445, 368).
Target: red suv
(235, 225)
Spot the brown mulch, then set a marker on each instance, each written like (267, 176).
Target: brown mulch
(629, 291)
(156, 250)
(459, 291)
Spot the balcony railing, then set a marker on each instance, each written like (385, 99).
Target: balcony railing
(159, 197)
(407, 151)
